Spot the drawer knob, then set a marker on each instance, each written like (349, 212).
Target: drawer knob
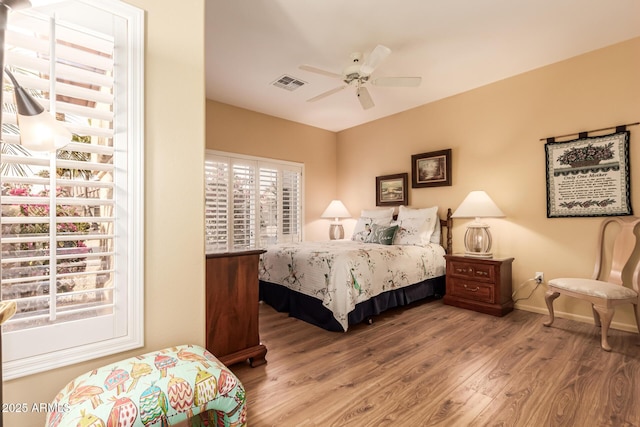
(461, 270)
(482, 273)
(476, 289)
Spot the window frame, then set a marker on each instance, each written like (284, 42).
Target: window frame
(261, 162)
(128, 124)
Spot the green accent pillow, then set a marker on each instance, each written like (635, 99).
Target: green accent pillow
(381, 234)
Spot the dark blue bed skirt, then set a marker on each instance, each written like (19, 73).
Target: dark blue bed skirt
(312, 311)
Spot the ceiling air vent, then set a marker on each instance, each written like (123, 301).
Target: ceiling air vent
(289, 83)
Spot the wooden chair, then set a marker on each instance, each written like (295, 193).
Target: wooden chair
(605, 290)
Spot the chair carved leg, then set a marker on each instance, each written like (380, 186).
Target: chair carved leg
(596, 316)
(549, 297)
(636, 308)
(605, 316)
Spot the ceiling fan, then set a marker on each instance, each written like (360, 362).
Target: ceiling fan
(359, 72)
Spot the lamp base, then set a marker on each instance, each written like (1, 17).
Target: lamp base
(336, 232)
(478, 254)
(477, 241)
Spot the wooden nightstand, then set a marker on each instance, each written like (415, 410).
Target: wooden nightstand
(479, 284)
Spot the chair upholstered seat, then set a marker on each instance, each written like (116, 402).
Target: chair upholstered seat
(595, 288)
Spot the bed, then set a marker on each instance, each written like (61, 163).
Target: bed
(388, 262)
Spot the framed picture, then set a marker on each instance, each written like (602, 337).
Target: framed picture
(431, 169)
(589, 176)
(392, 190)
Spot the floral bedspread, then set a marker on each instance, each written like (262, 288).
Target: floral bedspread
(343, 273)
(155, 389)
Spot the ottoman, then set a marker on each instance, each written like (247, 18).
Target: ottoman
(183, 385)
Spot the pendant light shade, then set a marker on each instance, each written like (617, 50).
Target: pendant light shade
(39, 130)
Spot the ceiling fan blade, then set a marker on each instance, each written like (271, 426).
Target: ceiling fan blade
(327, 93)
(377, 55)
(397, 81)
(320, 71)
(364, 98)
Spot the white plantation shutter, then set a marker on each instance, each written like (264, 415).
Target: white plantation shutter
(280, 203)
(251, 202)
(291, 200)
(269, 214)
(243, 204)
(71, 220)
(216, 204)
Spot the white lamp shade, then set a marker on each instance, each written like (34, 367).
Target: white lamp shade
(336, 209)
(478, 204)
(42, 132)
(39, 130)
(477, 238)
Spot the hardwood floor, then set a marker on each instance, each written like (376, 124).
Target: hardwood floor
(437, 365)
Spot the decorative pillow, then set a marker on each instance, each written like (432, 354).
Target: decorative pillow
(367, 219)
(416, 226)
(381, 234)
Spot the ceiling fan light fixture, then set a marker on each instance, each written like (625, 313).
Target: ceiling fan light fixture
(357, 73)
(356, 57)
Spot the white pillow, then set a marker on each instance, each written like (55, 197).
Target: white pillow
(367, 218)
(416, 226)
(437, 231)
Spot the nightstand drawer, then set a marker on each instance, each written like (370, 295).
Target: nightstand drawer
(471, 290)
(481, 284)
(465, 269)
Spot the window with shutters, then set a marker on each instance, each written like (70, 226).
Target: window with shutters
(72, 220)
(251, 202)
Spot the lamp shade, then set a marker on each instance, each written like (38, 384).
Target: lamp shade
(477, 238)
(336, 209)
(478, 204)
(39, 130)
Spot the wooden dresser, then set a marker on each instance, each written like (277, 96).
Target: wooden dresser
(232, 308)
(479, 284)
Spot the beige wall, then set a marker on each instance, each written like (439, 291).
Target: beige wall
(494, 133)
(174, 159)
(242, 131)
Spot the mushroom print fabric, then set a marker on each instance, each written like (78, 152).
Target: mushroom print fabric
(161, 388)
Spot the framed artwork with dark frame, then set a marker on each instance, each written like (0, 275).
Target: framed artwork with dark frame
(392, 190)
(431, 169)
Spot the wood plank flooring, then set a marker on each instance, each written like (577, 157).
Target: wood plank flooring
(437, 365)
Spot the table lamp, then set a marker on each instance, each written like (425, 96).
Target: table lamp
(336, 210)
(477, 238)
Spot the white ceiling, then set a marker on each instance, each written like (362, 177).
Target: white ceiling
(454, 45)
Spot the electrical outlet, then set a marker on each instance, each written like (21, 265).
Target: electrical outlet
(539, 276)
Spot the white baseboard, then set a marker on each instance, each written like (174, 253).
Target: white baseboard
(576, 317)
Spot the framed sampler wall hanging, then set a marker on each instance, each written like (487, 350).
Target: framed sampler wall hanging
(588, 176)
